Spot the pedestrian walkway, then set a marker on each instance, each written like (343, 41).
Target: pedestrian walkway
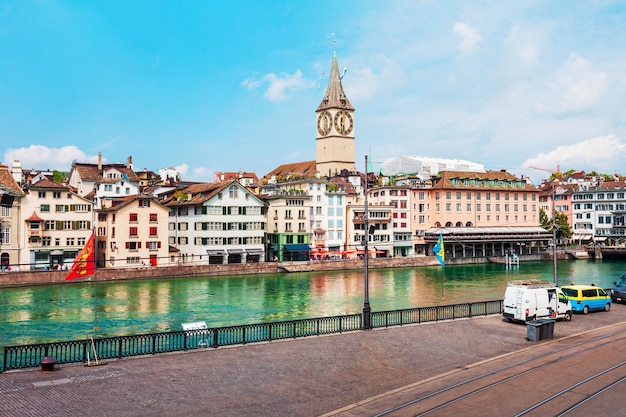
(304, 377)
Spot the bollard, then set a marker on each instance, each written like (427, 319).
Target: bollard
(47, 364)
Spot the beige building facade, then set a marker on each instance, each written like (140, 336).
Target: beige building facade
(132, 232)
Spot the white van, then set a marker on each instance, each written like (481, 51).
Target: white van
(526, 300)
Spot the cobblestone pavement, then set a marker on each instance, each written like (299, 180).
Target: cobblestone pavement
(302, 377)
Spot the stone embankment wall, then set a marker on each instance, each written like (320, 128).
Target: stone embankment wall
(26, 278)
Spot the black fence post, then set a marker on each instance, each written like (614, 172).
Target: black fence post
(215, 338)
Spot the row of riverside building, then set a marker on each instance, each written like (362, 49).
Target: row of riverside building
(302, 211)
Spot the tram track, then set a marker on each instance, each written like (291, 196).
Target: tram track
(453, 397)
(592, 396)
(577, 385)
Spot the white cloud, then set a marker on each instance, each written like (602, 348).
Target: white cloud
(604, 154)
(278, 87)
(43, 157)
(203, 174)
(182, 169)
(523, 43)
(575, 87)
(469, 37)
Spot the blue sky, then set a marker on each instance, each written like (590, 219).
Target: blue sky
(211, 86)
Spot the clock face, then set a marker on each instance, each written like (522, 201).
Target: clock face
(324, 123)
(343, 122)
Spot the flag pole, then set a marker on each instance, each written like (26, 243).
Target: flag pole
(84, 265)
(95, 292)
(442, 290)
(440, 253)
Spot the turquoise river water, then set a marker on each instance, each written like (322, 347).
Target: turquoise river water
(66, 312)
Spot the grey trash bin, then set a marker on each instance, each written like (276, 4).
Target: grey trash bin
(533, 330)
(537, 330)
(547, 328)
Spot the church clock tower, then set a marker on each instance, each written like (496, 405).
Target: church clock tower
(335, 128)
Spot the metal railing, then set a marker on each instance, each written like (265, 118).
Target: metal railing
(28, 356)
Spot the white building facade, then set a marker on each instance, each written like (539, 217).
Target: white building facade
(217, 223)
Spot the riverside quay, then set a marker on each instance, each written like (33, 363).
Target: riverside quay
(399, 370)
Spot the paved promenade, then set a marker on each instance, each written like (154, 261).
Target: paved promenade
(304, 377)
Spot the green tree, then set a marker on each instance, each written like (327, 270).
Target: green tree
(544, 220)
(180, 196)
(562, 225)
(58, 176)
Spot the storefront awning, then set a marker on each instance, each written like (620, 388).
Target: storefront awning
(582, 237)
(235, 251)
(56, 253)
(299, 247)
(255, 251)
(600, 238)
(215, 252)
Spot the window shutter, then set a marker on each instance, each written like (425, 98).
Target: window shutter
(138, 245)
(159, 244)
(127, 245)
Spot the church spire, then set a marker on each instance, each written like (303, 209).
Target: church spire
(335, 97)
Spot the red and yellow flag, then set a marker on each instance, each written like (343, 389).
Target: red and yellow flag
(84, 264)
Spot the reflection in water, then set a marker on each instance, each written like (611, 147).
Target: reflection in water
(66, 312)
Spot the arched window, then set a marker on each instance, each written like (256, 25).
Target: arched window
(437, 224)
(469, 224)
(4, 260)
(459, 224)
(448, 224)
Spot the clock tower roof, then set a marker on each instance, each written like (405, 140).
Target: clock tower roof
(335, 97)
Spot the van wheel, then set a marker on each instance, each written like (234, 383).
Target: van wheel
(607, 307)
(585, 309)
(568, 316)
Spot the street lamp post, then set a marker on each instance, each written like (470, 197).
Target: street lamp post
(556, 279)
(367, 310)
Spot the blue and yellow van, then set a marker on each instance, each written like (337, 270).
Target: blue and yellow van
(585, 298)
